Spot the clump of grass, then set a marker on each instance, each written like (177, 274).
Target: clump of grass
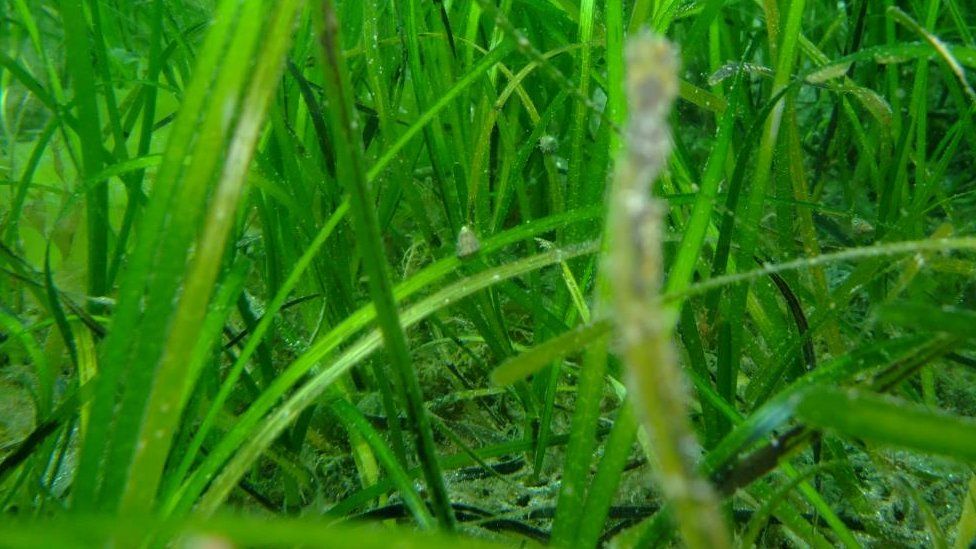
(323, 261)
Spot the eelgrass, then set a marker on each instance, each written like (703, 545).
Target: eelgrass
(342, 259)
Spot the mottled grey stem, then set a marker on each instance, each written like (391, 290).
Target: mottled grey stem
(634, 269)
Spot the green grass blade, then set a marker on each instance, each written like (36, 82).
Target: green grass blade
(352, 169)
(889, 421)
(171, 382)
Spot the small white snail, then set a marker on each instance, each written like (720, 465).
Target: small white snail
(548, 144)
(467, 243)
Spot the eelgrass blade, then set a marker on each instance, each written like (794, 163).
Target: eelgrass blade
(88, 531)
(85, 95)
(171, 382)
(117, 350)
(352, 170)
(748, 229)
(887, 420)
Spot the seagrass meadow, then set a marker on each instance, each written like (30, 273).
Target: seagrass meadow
(441, 273)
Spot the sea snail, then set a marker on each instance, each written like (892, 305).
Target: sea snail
(467, 243)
